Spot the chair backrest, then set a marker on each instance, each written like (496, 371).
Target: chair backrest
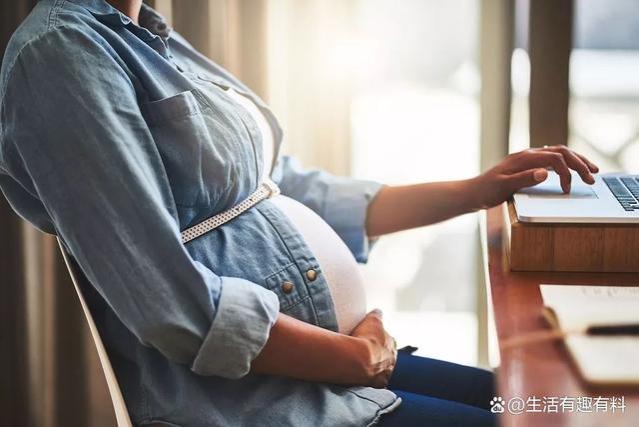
(121, 413)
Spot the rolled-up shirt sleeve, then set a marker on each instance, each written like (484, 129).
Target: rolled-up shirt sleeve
(74, 138)
(342, 202)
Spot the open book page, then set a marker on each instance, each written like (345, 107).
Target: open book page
(579, 307)
(600, 359)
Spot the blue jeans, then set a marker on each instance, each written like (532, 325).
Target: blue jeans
(436, 393)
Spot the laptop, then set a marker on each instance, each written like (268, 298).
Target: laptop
(613, 198)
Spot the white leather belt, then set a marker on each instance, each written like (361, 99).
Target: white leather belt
(266, 190)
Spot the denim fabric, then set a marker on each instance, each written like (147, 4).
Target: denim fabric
(440, 394)
(116, 137)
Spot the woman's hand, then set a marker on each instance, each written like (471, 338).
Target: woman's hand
(300, 350)
(379, 351)
(527, 168)
(397, 208)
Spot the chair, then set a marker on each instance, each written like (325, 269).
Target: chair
(121, 413)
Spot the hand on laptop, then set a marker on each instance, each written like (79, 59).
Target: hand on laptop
(530, 167)
(402, 207)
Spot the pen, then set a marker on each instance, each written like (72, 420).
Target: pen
(627, 329)
(630, 329)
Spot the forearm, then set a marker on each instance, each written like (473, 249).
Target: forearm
(403, 207)
(300, 350)
(397, 208)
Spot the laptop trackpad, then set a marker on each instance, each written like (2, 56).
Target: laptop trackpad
(553, 191)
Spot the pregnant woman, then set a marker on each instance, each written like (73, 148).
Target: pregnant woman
(224, 277)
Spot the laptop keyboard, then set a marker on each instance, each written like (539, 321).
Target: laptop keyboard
(626, 191)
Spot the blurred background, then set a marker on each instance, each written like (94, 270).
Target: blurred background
(400, 92)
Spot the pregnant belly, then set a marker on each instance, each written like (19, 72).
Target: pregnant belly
(336, 262)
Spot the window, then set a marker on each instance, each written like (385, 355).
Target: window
(393, 87)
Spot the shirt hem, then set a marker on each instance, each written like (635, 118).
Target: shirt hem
(386, 410)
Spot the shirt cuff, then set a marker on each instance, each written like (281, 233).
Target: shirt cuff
(345, 210)
(242, 324)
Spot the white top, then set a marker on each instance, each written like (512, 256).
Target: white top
(336, 262)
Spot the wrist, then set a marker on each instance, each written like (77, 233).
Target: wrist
(474, 195)
(360, 361)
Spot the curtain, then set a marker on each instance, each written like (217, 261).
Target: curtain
(13, 379)
(231, 32)
(51, 374)
(45, 379)
(310, 79)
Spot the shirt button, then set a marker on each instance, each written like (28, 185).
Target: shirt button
(311, 274)
(287, 287)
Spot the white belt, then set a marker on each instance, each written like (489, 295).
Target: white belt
(266, 190)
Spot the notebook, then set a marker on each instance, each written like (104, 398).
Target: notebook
(601, 359)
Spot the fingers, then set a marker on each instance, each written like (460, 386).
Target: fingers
(527, 178)
(532, 159)
(392, 346)
(560, 158)
(382, 379)
(539, 175)
(576, 162)
(376, 312)
(373, 314)
(593, 167)
(383, 348)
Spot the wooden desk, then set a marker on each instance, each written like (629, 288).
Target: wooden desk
(544, 369)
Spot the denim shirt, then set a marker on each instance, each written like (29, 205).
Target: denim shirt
(116, 137)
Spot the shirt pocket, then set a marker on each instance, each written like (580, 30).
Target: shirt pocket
(175, 107)
(206, 151)
(289, 287)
